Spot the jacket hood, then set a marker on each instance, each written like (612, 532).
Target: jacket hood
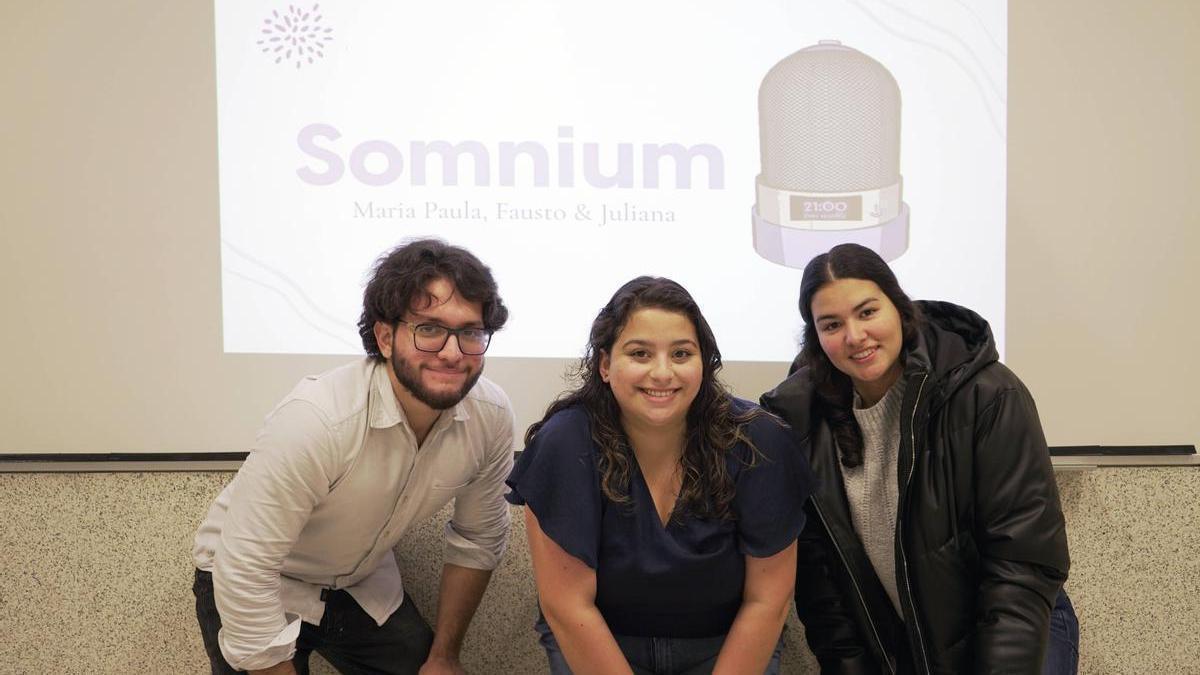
(953, 344)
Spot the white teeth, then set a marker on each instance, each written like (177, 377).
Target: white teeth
(866, 353)
(658, 393)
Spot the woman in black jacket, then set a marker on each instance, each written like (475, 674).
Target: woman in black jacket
(935, 543)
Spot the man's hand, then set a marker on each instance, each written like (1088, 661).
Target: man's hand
(442, 665)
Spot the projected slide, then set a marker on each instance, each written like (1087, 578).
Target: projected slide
(573, 147)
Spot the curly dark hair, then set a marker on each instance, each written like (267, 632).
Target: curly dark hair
(400, 276)
(713, 426)
(834, 391)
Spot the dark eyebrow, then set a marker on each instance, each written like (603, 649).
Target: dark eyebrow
(864, 303)
(856, 308)
(425, 318)
(647, 343)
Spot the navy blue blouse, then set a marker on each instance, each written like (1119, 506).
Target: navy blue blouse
(684, 580)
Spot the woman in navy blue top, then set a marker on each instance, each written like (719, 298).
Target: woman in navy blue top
(662, 513)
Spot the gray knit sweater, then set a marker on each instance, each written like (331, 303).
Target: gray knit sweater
(872, 487)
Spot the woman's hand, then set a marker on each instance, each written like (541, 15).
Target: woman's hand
(765, 600)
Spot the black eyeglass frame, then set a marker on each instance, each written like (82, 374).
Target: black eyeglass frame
(456, 332)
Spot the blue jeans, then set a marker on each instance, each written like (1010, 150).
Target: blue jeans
(654, 656)
(348, 637)
(1062, 653)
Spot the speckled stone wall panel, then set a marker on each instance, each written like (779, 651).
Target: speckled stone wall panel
(96, 575)
(1135, 568)
(97, 572)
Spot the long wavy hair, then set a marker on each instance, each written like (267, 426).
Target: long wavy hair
(834, 391)
(713, 427)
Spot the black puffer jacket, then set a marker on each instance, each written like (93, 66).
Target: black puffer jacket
(981, 546)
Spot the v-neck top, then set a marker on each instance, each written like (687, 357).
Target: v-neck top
(682, 580)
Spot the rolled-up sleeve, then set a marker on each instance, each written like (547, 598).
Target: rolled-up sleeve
(477, 534)
(283, 478)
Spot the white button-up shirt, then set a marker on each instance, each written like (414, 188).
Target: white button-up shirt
(333, 482)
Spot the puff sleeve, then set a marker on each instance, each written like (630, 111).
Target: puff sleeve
(769, 503)
(556, 478)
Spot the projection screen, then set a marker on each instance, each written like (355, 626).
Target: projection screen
(575, 146)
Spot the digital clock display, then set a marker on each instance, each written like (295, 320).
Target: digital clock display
(826, 208)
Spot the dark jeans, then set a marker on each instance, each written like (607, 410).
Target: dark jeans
(654, 656)
(1062, 653)
(347, 638)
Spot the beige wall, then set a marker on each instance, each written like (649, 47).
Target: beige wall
(1104, 245)
(109, 232)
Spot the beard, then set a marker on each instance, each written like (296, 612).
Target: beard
(409, 376)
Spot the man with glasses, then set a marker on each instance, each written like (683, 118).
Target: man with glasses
(295, 555)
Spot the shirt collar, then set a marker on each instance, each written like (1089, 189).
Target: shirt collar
(386, 410)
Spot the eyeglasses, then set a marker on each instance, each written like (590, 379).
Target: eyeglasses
(430, 337)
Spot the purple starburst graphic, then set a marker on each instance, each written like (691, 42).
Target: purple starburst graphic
(296, 36)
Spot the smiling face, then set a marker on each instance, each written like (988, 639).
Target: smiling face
(435, 380)
(655, 369)
(861, 333)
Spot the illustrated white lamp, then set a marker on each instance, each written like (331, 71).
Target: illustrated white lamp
(829, 139)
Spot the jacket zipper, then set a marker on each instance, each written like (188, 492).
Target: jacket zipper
(853, 580)
(912, 430)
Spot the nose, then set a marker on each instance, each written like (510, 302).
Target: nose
(448, 352)
(856, 333)
(660, 370)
